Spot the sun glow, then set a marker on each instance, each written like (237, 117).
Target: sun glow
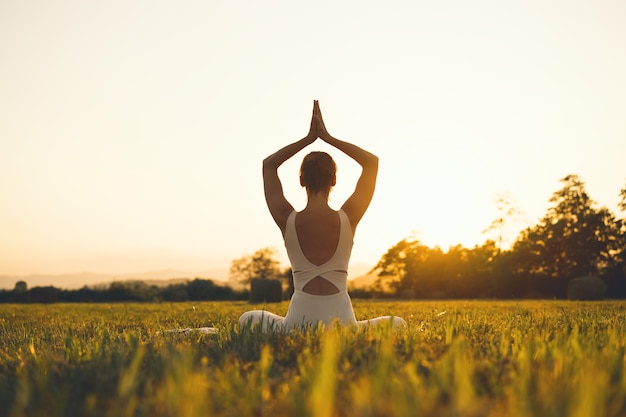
(127, 146)
(446, 198)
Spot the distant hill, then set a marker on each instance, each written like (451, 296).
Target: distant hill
(161, 283)
(161, 277)
(364, 281)
(81, 279)
(67, 281)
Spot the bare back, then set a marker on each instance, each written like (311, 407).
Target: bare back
(318, 232)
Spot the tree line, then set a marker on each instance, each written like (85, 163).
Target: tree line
(137, 291)
(575, 239)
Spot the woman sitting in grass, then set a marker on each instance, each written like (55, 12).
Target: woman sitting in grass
(318, 239)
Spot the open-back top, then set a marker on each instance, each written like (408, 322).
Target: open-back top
(335, 270)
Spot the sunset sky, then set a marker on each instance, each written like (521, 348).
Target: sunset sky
(132, 132)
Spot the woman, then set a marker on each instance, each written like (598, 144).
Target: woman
(318, 239)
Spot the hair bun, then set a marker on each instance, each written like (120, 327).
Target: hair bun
(317, 171)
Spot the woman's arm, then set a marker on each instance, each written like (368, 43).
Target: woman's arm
(356, 205)
(278, 205)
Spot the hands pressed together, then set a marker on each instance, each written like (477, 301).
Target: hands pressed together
(318, 129)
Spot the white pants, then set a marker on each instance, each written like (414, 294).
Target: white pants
(308, 309)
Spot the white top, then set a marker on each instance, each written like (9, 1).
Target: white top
(335, 270)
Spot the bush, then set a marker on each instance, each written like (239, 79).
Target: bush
(586, 288)
(44, 295)
(266, 290)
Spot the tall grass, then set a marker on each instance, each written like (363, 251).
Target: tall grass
(455, 359)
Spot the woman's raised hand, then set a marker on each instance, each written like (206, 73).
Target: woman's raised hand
(321, 131)
(317, 128)
(313, 129)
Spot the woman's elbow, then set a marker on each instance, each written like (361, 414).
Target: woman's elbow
(373, 162)
(269, 164)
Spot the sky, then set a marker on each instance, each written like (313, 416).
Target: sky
(132, 132)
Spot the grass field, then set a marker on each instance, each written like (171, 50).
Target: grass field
(456, 358)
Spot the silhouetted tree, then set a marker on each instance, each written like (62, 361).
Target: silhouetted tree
(507, 212)
(413, 270)
(263, 264)
(175, 292)
(265, 291)
(399, 268)
(573, 239)
(478, 270)
(45, 295)
(129, 291)
(204, 289)
(615, 277)
(200, 289)
(20, 293)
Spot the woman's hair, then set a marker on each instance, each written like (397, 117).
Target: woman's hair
(317, 172)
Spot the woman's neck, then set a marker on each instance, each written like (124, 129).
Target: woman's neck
(317, 200)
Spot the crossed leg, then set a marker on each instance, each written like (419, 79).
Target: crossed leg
(268, 320)
(274, 321)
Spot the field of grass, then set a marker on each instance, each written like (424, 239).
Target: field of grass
(456, 358)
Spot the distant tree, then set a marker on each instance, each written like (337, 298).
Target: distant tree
(573, 239)
(411, 269)
(21, 286)
(507, 212)
(83, 295)
(622, 201)
(398, 269)
(204, 289)
(201, 289)
(44, 295)
(616, 277)
(265, 291)
(503, 284)
(479, 276)
(127, 291)
(263, 264)
(175, 292)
